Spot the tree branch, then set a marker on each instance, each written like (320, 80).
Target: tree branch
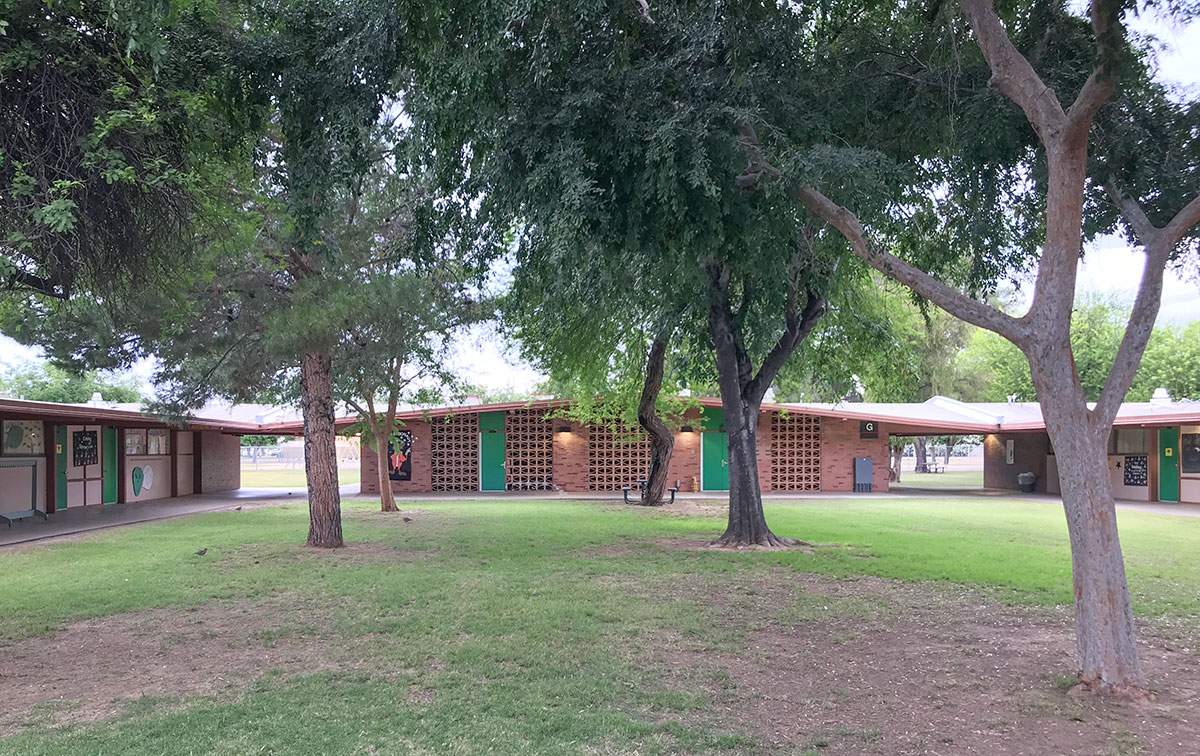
(1012, 74)
(949, 299)
(1159, 243)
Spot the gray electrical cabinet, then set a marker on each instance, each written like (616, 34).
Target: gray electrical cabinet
(864, 474)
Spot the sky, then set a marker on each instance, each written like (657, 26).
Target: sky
(1109, 266)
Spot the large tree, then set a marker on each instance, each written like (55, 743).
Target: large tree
(109, 142)
(1088, 159)
(619, 139)
(46, 382)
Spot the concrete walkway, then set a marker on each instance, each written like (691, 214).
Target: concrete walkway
(1153, 507)
(83, 519)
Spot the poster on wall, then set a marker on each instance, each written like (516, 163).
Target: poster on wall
(143, 479)
(23, 437)
(85, 445)
(400, 456)
(1136, 472)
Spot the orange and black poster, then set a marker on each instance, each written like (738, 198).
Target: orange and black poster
(400, 456)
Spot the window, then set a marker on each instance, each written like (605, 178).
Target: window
(135, 442)
(1129, 441)
(158, 442)
(1189, 452)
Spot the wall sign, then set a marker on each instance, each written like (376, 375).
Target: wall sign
(868, 429)
(85, 448)
(400, 456)
(1136, 473)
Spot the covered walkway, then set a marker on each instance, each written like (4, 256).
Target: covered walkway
(83, 519)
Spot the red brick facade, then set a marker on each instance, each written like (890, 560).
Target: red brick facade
(840, 443)
(422, 472)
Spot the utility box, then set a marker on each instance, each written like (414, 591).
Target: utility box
(864, 474)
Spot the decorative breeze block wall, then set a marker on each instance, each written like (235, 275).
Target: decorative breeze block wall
(617, 457)
(454, 457)
(795, 452)
(529, 451)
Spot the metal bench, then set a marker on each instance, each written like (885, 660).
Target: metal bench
(642, 484)
(10, 517)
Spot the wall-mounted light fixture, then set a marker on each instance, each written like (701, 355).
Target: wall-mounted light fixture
(564, 429)
(686, 429)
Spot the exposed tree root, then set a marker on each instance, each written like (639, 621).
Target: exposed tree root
(767, 540)
(1097, 688)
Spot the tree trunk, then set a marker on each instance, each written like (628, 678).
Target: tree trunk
(387, 499)
(949, 448)
(922, 459)
(320, 451)
(1105, 634)
(897, 455)
(662, 441)
(747, 524)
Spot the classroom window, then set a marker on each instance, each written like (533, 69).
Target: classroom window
(158, 442)
(1129, 441)
(1189, 452)
(135, 442)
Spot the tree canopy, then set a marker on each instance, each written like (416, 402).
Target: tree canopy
(45, 382)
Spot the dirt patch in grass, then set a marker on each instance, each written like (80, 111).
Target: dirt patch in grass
(696, 507)
(872, 666)
(91, 670)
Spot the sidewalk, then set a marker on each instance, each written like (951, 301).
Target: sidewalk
(84, 519)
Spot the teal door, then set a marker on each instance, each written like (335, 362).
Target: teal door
(491, 461)
(714, 462)
(1168, 464)
(60, 467)
(108, 459)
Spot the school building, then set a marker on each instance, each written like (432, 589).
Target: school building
(1154, 452)
(56, 456)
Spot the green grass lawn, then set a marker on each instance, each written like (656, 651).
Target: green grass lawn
(513, 627)
(949, 479)
(267, 477)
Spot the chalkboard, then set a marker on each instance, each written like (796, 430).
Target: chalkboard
(86, 448)
(1135, 471)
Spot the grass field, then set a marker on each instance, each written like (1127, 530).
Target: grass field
(947, 479)
(540, 627)
(267, 477)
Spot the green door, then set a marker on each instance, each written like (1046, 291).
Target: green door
(714, 462)
(60, 467)
(108, 461)
(1168, 464)
(491, 461)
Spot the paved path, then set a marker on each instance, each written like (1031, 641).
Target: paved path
(83, 519)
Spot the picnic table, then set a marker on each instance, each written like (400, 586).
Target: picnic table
(930, 468)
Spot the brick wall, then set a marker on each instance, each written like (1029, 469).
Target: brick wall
(220, 461)
(570, 456)
(840, 444)
(1029, 455)
(762, 441)
(685, 461)
(422, 469)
